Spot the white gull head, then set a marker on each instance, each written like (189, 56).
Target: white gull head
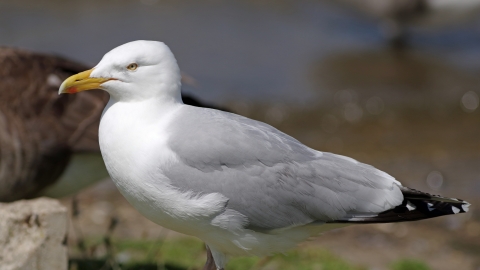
(134, 71)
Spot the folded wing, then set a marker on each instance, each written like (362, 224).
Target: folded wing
(269, 177)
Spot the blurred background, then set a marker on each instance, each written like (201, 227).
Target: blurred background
(394, 84)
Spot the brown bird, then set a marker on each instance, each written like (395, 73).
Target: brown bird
(48, 143)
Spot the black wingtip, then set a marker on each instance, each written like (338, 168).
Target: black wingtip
(436, 202)
(416, 205)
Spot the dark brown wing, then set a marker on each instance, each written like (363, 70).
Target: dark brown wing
(39, 130)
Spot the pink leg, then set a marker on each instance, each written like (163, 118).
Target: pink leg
(210, 264)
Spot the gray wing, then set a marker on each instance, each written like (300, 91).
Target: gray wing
(270, 177)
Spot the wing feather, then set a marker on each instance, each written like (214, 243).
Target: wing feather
(270, 177)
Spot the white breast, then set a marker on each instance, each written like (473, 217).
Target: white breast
(133, 140)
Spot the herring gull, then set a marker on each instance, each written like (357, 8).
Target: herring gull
(240, 185)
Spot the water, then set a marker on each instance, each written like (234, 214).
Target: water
(249, 50)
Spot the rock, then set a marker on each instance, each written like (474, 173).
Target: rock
(33, 235)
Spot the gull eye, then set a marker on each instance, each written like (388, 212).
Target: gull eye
(132, 66)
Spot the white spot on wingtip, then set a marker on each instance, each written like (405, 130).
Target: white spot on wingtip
(411, 206)
(465, 207)
(430, 207)
(455, 210)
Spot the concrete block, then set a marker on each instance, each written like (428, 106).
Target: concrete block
(33, 235)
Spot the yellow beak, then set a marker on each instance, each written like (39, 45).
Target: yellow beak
(81, 82)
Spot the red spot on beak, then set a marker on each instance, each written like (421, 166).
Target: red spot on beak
(72, 90)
